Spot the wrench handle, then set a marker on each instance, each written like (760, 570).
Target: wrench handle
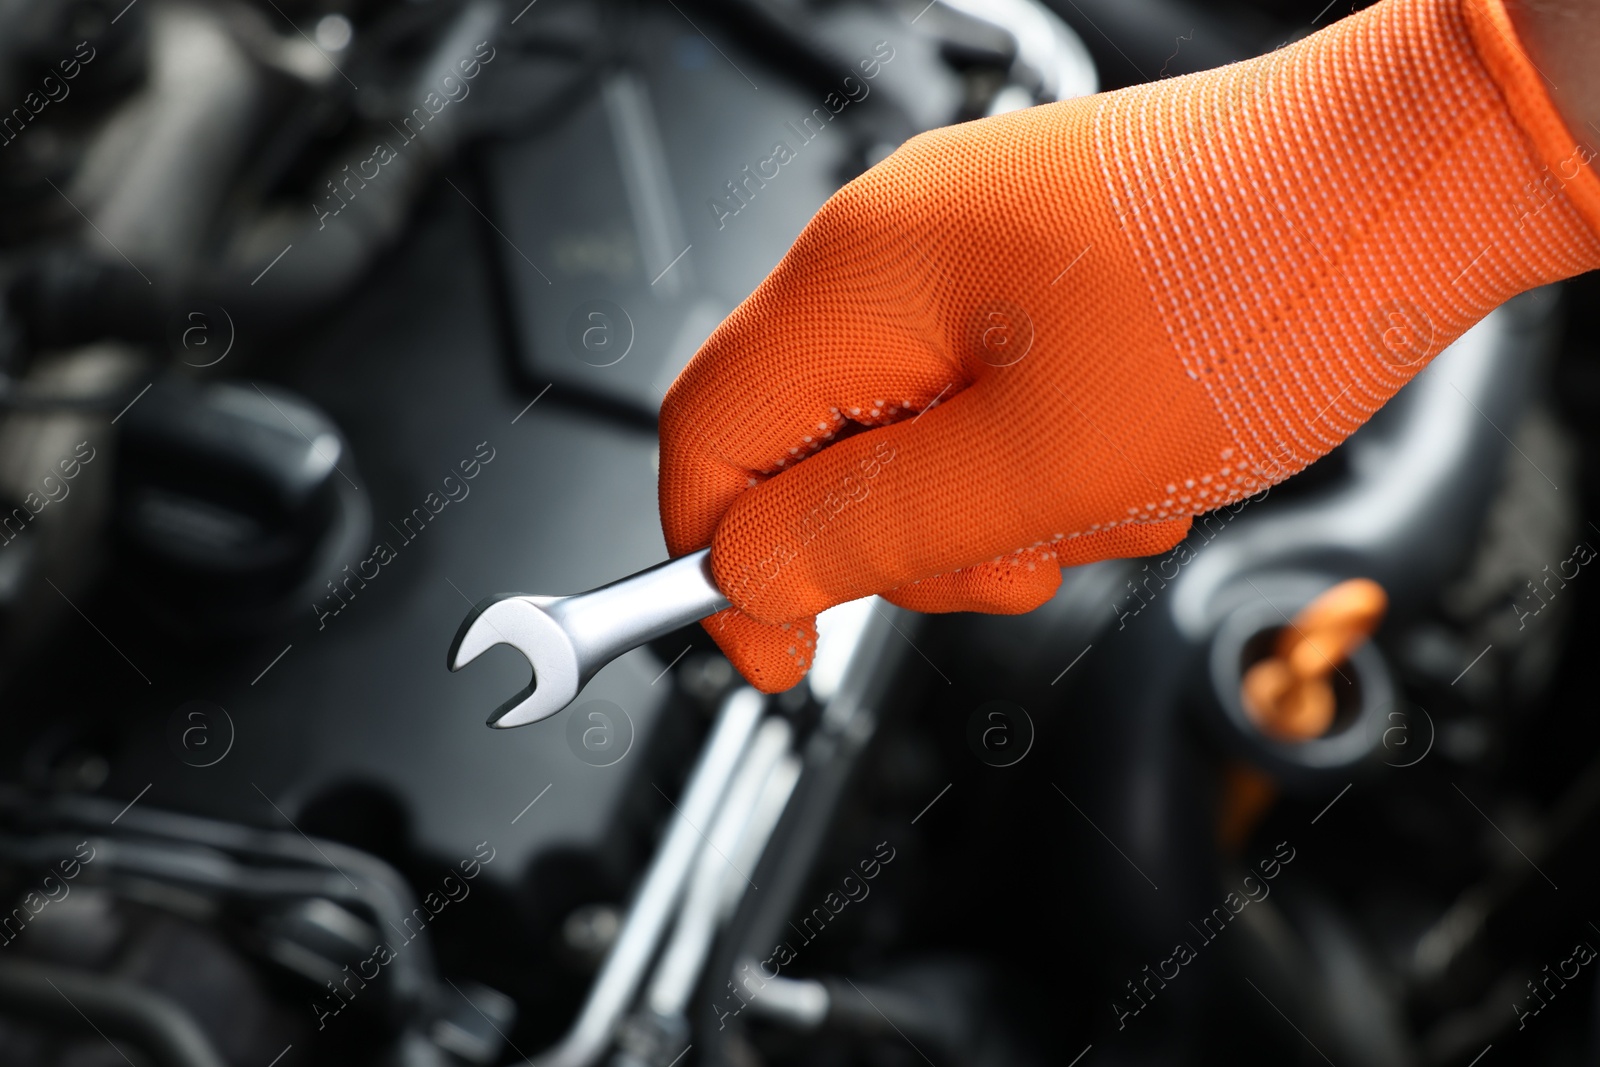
(613, 619)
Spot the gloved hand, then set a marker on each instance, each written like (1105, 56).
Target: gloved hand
(1074, 327)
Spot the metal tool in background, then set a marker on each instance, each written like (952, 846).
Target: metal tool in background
(567, 639)
(748, 773)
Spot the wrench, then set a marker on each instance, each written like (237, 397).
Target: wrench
(567, 639)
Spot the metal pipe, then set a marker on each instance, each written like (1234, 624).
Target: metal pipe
(624, 969)
(1052, 62)
(719, 877)
(829, 757)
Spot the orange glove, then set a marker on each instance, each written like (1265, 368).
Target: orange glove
(1129, 309)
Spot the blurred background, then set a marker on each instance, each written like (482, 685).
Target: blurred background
(320, 321)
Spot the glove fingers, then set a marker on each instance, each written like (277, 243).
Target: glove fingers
(771, 657)
(934, 495)
(1025, 579)
(869, 513)
(1123, 542)
(1015, 584)
(821, 344)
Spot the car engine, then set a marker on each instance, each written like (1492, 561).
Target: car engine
(322, 320)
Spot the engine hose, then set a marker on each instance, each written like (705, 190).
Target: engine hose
(110, 1006)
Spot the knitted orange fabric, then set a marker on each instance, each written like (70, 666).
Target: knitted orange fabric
(1076, 326)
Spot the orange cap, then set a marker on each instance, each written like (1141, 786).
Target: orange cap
(1288, 695)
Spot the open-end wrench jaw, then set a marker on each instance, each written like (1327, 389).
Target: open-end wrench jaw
(568, 639)
(523, 623)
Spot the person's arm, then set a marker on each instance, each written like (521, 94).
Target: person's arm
(1563, 39)
(1072, 328)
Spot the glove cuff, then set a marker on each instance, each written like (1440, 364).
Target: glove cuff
(1527, 96)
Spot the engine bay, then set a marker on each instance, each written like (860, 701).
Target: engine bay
(323, 321)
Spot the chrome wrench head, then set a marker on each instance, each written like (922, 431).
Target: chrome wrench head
(568, 639)
(523, 623)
